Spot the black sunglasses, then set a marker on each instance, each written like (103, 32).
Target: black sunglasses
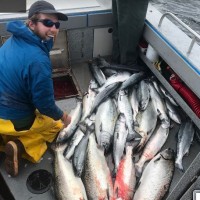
(49, 23)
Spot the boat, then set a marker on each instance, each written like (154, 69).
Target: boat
(87, 34)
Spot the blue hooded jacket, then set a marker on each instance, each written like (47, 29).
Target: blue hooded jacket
(26, 75)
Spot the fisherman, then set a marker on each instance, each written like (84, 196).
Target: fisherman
(29, 117)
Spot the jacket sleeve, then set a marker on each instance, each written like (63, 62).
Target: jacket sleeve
(41, 89)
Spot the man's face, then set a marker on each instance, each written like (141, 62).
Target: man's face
(43, 31)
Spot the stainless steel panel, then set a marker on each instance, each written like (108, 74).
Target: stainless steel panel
(74, 21)
(99, 19)
(59, 54)
(80, 44)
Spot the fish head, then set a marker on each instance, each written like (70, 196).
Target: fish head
(61, 137)
(168, 154)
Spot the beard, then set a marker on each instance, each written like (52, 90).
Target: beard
(46, 36)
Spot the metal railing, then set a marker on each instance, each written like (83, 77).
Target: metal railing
(194, 34)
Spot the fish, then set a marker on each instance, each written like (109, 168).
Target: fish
(124, 185)
(168, 95)
(103, 95)
(69, 151)
(105, 120)
(120, 136)
(67, 185)
(105, 65)
(173, 111)
(133, 79)
(109, 72)
(132, 96)
(118, 77)
(80, 151)
(102, 64)
(185, 138)
(153, 146)
(146, 123)
(124, 107)
(97, 176)
(67, 132)
(97, 73)
(156, 177)
(143, 94)
(88, 100)
(156, 85)
(160, 106)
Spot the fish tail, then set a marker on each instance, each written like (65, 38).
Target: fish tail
(133, 135)
(179, 165)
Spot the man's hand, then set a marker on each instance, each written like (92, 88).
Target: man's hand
(66, 119)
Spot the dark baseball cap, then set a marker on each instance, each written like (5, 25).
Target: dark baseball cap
(46, 8)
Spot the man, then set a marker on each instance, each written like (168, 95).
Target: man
(29, 116)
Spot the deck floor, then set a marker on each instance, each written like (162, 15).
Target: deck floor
(18, 187)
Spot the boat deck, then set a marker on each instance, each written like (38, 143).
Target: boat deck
(16, 188)
(89, 26)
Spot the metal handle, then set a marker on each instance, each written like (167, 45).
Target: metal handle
(194, 34)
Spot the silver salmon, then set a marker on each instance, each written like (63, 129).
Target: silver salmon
(156, 177)
(97, 177)
(185, 138)
(125, 182)
(153, 146)
(71, 128)
(67, 185)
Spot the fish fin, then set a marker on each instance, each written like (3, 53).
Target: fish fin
(114, 172)
(158, 111)
(133, 136)
(133, 143)
(107, 192)
(116, 192)
(90, 128)
(100, 128)
(136, 124)
(101, 147)
(137, 185)
(126, 127)
(85, 93)
(138, 170)
(117, 135)
(82, 126)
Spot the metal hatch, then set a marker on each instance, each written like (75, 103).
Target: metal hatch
(65, 84)
(60, 55)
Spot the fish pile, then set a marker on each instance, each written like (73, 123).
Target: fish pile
(112, 149)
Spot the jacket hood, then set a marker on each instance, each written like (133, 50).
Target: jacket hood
(19, 29)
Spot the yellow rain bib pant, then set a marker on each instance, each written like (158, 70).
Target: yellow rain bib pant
(44, 129)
